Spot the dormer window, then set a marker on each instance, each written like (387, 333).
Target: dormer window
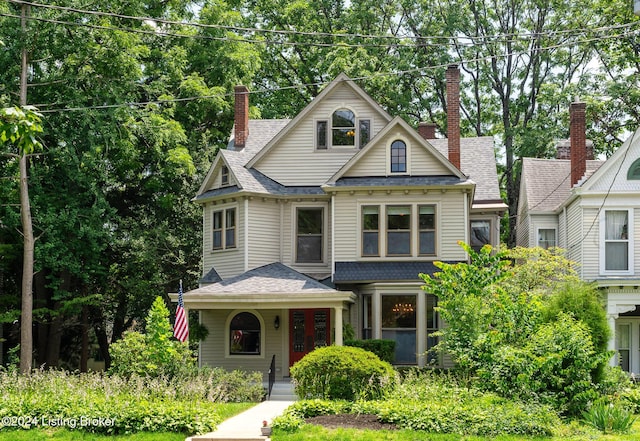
(342, 130)
(224, 173)
(398, 157)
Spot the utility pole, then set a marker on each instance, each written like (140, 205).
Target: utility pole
(26, 326)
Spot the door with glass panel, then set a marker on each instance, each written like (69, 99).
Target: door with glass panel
(308, 329)
(623, 345)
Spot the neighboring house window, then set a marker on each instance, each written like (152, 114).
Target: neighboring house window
(623, 345)
(244, 334)
(309, 235)
(634, 171)
(321, 135)
(399, 230)
(224, 229)
(399, 325)
(371, 230)
(367, 317)
(427, 223)
(343, 128)
(546, 238)
(616, 240)
(398, 157)
(225, 175)
(480, 234)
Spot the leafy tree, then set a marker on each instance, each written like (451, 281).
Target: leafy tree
(153, 353)
(530, 327)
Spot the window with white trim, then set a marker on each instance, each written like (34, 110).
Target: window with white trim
(224, 229)
(616, 239)
(546, 238)
(224, 175)
(480, 234)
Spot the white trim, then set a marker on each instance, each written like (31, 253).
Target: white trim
(245, 245)
(630, 242)
(407, 152)
(333, 236)
(543, 226)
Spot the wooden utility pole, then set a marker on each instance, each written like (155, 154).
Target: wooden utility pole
(26, 326)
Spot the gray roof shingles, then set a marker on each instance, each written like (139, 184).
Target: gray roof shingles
(548, 181)
(274, 278)
(351, 272)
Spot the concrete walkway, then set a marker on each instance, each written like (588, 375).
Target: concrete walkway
(246, 425)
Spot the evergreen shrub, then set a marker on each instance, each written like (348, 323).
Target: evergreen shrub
(384, 349)
(342, 373)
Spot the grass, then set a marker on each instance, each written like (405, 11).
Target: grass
(571, 432)
(225, 411)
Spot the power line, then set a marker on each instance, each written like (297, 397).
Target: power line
(482, 39)
(321, 83)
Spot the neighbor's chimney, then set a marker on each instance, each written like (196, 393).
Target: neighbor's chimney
(453, 113)
(241, 117)
(578, 139)
(427, 130)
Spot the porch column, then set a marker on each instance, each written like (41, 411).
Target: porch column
(376, 315)
(337, 312)
(611, 318)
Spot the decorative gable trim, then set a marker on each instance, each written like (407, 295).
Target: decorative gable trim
(341, 79)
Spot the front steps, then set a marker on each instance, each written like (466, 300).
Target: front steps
(282, 391)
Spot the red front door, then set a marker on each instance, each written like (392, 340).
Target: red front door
(308, 329)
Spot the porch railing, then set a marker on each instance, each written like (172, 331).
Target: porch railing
(272, 375)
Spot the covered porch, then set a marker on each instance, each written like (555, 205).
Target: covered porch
(269, 311)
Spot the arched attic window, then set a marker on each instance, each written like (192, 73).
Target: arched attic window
(634, 171)
(398, 156)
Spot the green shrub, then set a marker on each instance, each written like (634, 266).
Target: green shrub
(342, 372)
(384, 349)
(631, 398)
(154, 353)
(609, 417)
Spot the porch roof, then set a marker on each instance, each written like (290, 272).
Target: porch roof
(350, 272)
(270, 286)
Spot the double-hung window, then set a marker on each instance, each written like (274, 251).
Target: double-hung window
(399, 230)
(398, 157)
(480, 234)
(546, 238)
(309, 235)
(616, 233)
(371, 230)
(427, 223)
(224, 229)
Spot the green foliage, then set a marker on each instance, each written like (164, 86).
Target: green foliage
(119, 405)
(526, 329)
(20, 127)
(609, 417)
(384, 349)
(154, 353)
(342, 372)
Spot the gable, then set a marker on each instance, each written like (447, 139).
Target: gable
(620, 173)
(294, 157)
(375, 159)
(220, 175)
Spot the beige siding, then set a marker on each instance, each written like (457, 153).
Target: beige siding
(574, 246)
(214, 349)
(452, 225)
(589, 237)
(264, 232)
(375, 162)
(229, 262)
(294, 161)
(636, 239)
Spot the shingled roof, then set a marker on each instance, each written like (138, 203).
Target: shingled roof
(547, 182)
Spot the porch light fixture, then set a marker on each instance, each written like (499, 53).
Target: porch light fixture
(276, 322)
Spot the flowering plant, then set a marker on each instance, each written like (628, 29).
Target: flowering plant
(264, 423)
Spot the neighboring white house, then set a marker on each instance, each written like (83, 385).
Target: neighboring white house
(591, 209)
(328, 219)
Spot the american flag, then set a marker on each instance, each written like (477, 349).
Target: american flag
(181, 327)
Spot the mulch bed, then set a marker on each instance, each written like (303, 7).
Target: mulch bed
(350, 421)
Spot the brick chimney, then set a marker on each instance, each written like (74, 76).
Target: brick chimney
(577, 135)
(241, 117)
(453, 113)
(427, 130)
